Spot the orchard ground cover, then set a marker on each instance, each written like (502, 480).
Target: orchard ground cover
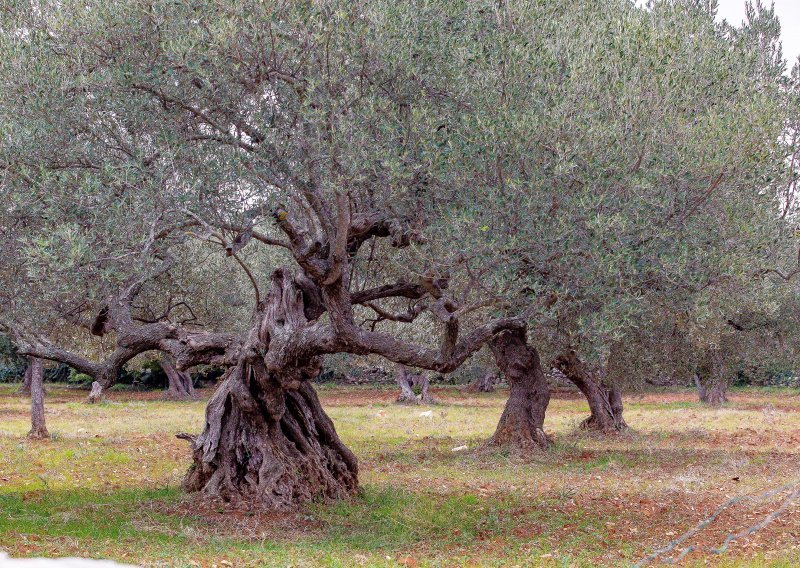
(107, 484)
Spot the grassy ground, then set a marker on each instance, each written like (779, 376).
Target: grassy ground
(107, 485)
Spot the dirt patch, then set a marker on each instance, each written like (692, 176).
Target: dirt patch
(215, 519)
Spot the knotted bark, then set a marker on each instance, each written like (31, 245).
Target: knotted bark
(522, 424)
(605, 399)
(38, 427)
(267, 441)
(179, 383)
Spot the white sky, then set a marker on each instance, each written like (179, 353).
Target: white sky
(788, 12)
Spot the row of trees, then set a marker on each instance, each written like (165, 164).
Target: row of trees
(260, 185)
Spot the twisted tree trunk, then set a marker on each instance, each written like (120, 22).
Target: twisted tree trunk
(269, 445)
(267, 441)
(605, 400)
(522, 424)
(407, 380)
(712, 387)
(179, 383)
(38, 427)
(485, 383)
(713, 393)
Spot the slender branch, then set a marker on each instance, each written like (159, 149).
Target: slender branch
(250, 276)
(669, 547)
(406, 317)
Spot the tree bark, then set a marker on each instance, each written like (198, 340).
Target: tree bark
(714, 393)
(522, 424)
(485, 383)
(96, 394)
(269, 446)
(407, 380)
(267, 441)
(25, 387)
(180, 385)
(605, 400)
(711, 384)
(38, 428)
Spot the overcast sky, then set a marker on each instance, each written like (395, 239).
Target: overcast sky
(789, 13)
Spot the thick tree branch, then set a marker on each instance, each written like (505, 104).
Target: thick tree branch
(400, 289)
(366, 342)
(339, 250)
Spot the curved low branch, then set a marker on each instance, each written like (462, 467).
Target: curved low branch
(46, 350)
(369, 342)
(405, 317)
(191, 349)
(135, 340)
(401, 289)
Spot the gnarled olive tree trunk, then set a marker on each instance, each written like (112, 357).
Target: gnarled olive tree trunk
(605, 399)
(407, 380)
(267, 441)
(714, 392)
(38, 427)
(712, 387)
(522, 424)
(485, 383)
(179, 383)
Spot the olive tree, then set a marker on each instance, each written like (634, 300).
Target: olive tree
(467, 166)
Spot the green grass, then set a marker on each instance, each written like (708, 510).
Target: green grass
(108, 485)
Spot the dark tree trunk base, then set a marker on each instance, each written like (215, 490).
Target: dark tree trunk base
(606, 417)
(516, 429)
(710, 380)
(521, 426)
(591, 424)
(268, 447)
(715, 394)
